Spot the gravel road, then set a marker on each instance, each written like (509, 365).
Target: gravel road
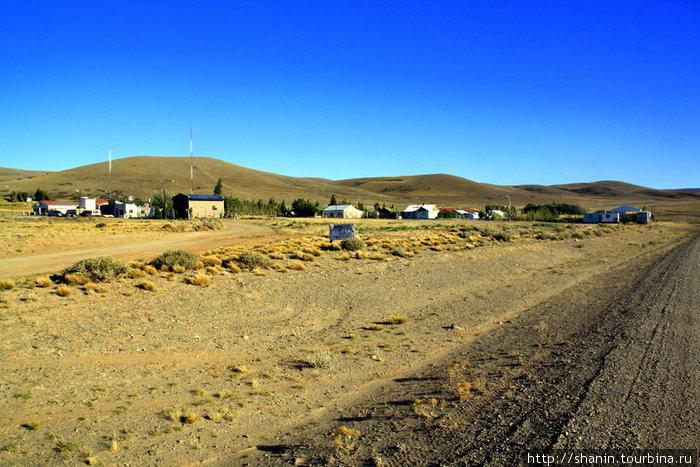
(609, 365)
(125, 248)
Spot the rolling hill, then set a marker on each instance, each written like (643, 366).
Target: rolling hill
(141, 176)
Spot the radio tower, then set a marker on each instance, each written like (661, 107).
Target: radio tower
(191, 160)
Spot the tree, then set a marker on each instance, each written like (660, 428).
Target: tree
(334, 201)
(41, 195)
(219, 188)
(162, 203)
(303, 208)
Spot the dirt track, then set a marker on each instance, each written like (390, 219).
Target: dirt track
(611, 364)
(126, 248)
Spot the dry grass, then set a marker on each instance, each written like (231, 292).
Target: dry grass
(76, 278)
(177, 269)
(150, 270)
(137, 273)
(197, 279)
(211, 260)
(397, 319)
(7, 284)
(425, 407)
(98, 288)
(374, 327)
(346, 438)
(43, 282)
(147, 285)
(62, 291)
(297, 265)
(190, 417)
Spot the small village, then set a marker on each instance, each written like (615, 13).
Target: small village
(206, 206)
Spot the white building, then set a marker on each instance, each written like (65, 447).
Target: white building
(420, 211)
(342, 211)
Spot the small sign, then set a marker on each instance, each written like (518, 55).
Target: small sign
(341, 231)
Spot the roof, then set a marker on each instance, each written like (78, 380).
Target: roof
(57, 203)
(418, 207)
(338, 207)
(195, 197)
(625, 208)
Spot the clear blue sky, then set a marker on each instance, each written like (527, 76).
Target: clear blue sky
(505, 92)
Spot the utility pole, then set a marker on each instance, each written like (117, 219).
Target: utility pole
(109, 155)
(510, 216)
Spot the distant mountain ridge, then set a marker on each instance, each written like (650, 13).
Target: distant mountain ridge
(140, 176)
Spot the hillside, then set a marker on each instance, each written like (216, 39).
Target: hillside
(7, 175)
(141, 176)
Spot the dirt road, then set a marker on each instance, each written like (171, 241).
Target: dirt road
(126, 248)
(610, 364)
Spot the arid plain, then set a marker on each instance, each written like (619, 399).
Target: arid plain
(316, 355)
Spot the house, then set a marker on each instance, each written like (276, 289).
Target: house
(610, 217)
(420, 211)
(343, 211)
(495, 214)
(189, 206)
(467, 213)
(626, 210)
(593, 217)
(42, 208)
(392, 212)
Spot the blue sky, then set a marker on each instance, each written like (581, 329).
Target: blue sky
(504, 92)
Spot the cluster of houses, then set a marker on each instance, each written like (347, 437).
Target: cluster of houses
(190, 206)
(614, 216)
(92, 207)
(184, 207)
(414, 211)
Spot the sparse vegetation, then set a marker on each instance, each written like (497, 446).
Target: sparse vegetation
(321, 359)
(62, 291)
(346, 438)
(353, 244)
(101, 269)
(182, 258)
(147, 285)
(7, 284)
(43, 282)
(197, 279)
(252, 259)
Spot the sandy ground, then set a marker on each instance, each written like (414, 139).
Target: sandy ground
(261, 368)
(66, 249)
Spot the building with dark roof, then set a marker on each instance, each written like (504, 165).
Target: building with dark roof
(190, 206)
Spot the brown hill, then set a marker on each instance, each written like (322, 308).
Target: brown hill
(7, 175)
(141, 176)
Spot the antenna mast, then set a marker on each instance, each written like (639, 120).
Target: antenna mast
(191, 160)
(109, 155)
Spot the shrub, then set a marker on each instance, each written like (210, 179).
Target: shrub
(502, 236)
(147, 285)
(75, 278)
(185, 259)
(397, 319)
(43, 282)
(197, 279)
(252, 259)
(137, 273)
(177, 269)
(150, 270)
(346, 438)
(321, 359)
(211, 261)
(63, 291)
(352, 244)
(101, 269)
(297, 265)
(7, 284)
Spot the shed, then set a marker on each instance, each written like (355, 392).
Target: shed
(341, 211)
(592, 218)
(189, 206)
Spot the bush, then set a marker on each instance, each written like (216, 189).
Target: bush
(352, 244)
(7, 284)
(197, 279)
(147, 285)
(186, 259)
(101, 269)
(252, 259)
